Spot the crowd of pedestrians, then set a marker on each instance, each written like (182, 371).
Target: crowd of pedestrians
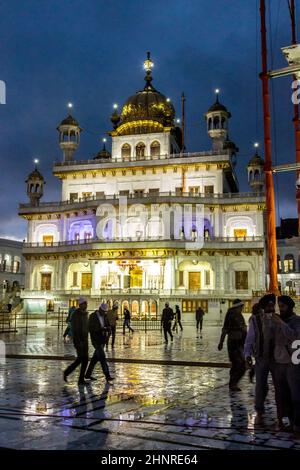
(265, 347)
(271, 340)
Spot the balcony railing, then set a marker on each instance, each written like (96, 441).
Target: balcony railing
(147, 195)
(136, 291)
(144, 158)
(206, 241)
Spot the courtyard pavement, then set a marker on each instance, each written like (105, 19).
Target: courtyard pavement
(150, 406)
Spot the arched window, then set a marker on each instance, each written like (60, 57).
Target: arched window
(126, 151)
(279, 266)
(256, 175)
(216, 122)
(209, 124)
(289, 263)
(155, 149)
(140, 150)
(223, 123)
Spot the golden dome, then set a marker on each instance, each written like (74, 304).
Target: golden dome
(146, 111)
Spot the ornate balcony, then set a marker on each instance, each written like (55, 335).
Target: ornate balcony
(233, 243)
(138, 292)
(146, 198)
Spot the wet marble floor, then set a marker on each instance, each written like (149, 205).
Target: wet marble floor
(46, 340)
(150, 407)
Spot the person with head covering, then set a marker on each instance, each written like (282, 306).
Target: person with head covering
(99, 329)
(236, 330)
(112, 317)
(80, 334)
(166, 321)
(287, 372)
(259, 344)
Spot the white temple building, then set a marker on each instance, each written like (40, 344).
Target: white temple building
(147, 222)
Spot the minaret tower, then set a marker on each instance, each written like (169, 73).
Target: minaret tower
(35, 185)
(255, 168)
(69, 136)
(217, 123)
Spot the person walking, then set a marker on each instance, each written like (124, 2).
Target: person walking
(68, 330)
(259, 344)
(287, 371)
(199, 319)
(99, 329)
(80, 339)
(127, 319)
(112, 317)
(177, 319)
(236, 330)
(166, 321)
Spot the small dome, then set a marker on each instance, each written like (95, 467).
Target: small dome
(103, 154)
(256, 160)
(35, 175)
(69, 121)
(217, 106)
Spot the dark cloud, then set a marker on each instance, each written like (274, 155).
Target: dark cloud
(91, 52)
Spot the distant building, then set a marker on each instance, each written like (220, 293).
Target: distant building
(288, 257)
(12, 266)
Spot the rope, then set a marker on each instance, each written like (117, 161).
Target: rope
(272, 87)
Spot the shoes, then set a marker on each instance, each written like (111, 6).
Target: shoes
(82, 382)
(90, 378)
(109, 378)
(234, 388)
(65, 377)
(259, 418)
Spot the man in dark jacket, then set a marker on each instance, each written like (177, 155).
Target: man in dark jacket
(99, 330)
(80, 339)
(287, 371)
(127, 319)
(260, 344)
(166, 321)
(199, 319)
(236, 330)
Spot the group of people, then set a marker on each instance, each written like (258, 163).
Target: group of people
(101, 325)
(80, 325)
(269, 340)
(168, 315)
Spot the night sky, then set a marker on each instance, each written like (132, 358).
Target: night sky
(91, 52)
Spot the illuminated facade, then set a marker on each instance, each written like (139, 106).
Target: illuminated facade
(86, 245)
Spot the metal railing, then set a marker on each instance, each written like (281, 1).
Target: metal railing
(144, 158)
(143, 239)
(8, 319)
(147, 195)
(136, 291)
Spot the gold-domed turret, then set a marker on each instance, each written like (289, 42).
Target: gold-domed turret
(146, 111)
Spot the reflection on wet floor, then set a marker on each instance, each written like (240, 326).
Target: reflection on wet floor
(147, 407)
(47, 340)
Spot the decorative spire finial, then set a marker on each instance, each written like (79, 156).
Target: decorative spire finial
(217, 92)
(148, 66)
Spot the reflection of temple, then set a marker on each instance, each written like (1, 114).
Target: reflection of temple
(128, 223)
